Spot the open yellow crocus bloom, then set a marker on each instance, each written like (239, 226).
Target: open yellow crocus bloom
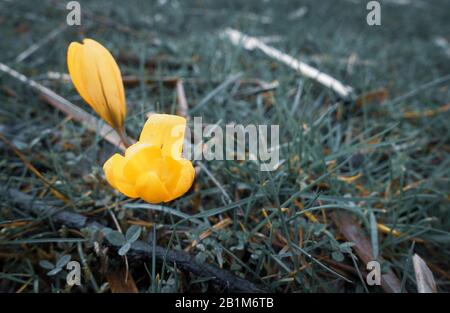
(152, 168)
(97, 78)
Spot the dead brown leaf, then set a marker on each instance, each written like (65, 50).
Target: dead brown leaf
(352, 232)
(118, 283)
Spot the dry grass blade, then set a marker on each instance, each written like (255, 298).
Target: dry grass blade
(424, 276)
(33, 169)
(131, 80)
(390, 231)
(220, 225)
(36, 46)
(427, 113)
(378, 95)
(183, 106)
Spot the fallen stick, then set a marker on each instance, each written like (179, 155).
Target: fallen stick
(251, 43)
(87, 120)
(139, 249)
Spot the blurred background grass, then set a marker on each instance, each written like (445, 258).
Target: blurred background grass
(395, 143)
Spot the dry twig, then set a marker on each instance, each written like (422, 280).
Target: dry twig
(140, 249)
(87, 120)
(250, 43)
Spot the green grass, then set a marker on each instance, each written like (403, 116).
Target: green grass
(403, 162)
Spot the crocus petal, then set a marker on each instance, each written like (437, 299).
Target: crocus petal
(139, 158)
(75, 57)
(84, 73)
(111, 78)
(153, 168)
(166, 131)
(150, 188)
(114, 173)
(97, 79)
(108, 168)
(184, 181)
(92, 77)
(170, 171)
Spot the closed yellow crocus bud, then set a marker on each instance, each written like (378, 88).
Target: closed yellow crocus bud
(97, 78)
(153, 169)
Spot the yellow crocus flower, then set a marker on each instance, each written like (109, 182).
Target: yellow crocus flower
(97, 78)
(153, 169)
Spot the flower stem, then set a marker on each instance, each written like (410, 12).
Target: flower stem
(123, 137)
